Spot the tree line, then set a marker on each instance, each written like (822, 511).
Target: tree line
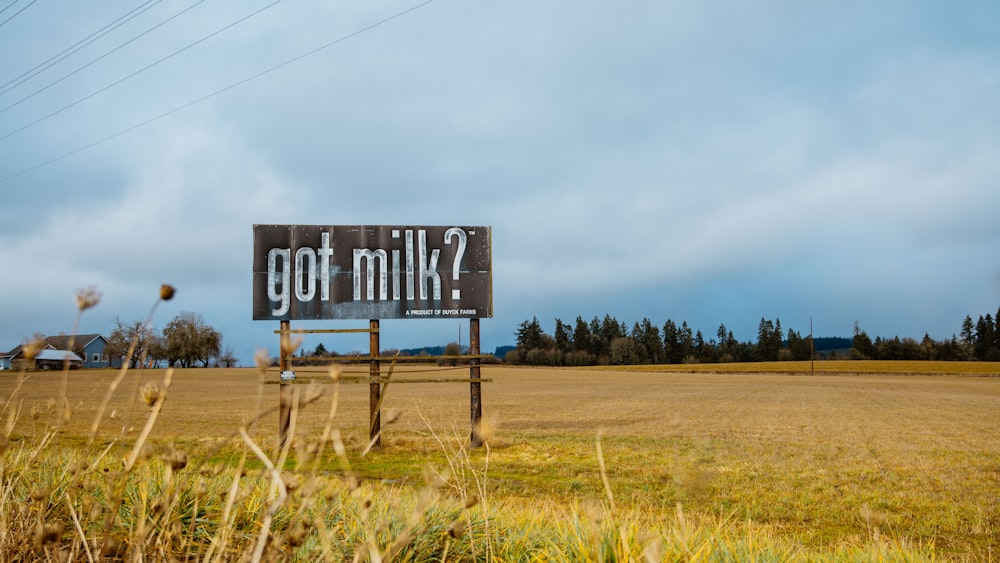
(608, 341)
(186, 341)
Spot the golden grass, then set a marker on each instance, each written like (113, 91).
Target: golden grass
(770, 466)
(841, 367)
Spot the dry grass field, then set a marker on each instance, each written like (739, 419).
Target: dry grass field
(846, 466)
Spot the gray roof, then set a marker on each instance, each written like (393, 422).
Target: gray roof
(80, 341)
(61, 342)
(57, 355)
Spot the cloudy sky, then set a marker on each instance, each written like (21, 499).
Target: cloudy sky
(714, 162)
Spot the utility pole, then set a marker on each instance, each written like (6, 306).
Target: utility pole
(812, 349)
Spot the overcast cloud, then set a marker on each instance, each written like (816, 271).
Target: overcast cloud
(714, 162)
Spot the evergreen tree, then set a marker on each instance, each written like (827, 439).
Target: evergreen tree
(984, 337)
(968, 333)
(799, 348)
(704, 351)
(722, 334)
(529, 335)
(651, 341)
(610, 329)
(766, 349)
(686, 340)
(637, 335)
(595, 336)
(879, 349)
(582, 337)
(862, 344)
(672, 351)
(562, 337)
(928, 348)
(987, 341)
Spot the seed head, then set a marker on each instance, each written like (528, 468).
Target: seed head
(334, 372)
(289, 345)
(456, 529)
(176, 459)
(39, 495)
(262, 360)
(151, 394)
(166, 292)
(292, 481)
(485, 427)
(32, 348)
(471, 500)
(87, 298)
(48, 534)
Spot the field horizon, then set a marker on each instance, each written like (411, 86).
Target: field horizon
(819, 461)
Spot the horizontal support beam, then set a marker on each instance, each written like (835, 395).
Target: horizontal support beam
(382, 380)
(397, 359)
(325, 330)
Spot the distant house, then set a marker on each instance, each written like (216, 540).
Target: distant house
(46, 358)
(13, 359)
(88, 352)
(90, 347)
(57, 359)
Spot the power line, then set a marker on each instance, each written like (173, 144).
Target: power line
(5, 8)
(217, 92)
(68, 51)
(57, 81)
(133, 74)
(17, 13)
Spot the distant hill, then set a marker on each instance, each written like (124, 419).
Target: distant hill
(824, 343)
(427, 351)
(439, 351)
(501, 351)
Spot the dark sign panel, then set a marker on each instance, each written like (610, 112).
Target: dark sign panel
(303, 272)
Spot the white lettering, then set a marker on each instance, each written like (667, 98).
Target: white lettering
(395, 268)
(272, 278)
(371, 256)
(409, 265)
(428, 268)
(307, 271)
(410, 259)
(325, 254)
(459, 252)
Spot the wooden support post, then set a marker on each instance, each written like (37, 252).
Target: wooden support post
(475, 389)
(285, 389)
(374, 389)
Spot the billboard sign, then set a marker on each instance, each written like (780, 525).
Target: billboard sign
(313, 272)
